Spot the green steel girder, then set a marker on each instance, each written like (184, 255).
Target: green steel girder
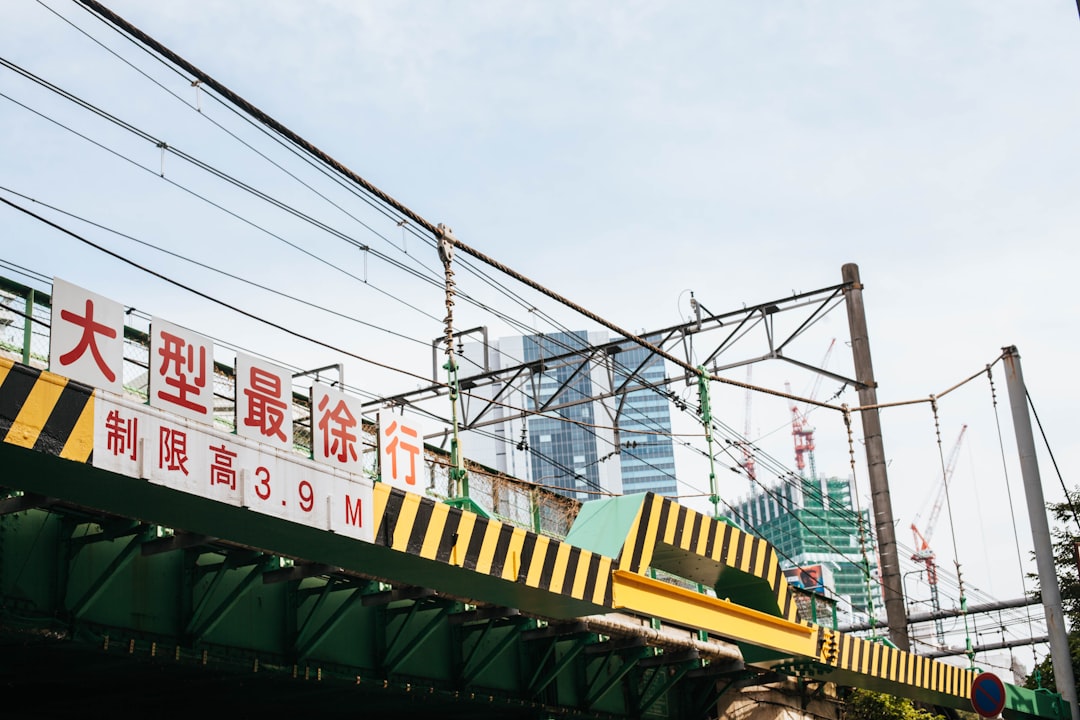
(125, 556)
(541, 679)
(306, 643)
(472, 667)
(197, 599)
(109, 529)
(323, 594)
(216, 614)
(24, 501)
(404, 645)
(172, 543)
(233, 561)
(674, 669)
(480, 653)
(706, 694)
(628, 655)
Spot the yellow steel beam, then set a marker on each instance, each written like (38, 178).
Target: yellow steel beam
(721, 617)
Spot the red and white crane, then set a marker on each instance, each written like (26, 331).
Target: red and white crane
(923, 552)
(801, 430)
(748, 463)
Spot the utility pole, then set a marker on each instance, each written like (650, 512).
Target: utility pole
(891, 580)
(1040, 531)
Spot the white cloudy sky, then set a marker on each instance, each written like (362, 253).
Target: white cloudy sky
(623, 154)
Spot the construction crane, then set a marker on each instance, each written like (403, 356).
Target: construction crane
(801, 430)
(923, 552)
(748, 454)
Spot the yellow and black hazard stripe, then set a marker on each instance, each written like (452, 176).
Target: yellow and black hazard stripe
(46, 412)
(887, 663)
(661, 520)
(411, 523)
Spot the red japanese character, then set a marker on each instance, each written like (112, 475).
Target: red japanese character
(392, 447)
(121, 434)
(221, 467)
(266, 409)
(172, 450)
(173, 353)
(344, 441)
(88, 340)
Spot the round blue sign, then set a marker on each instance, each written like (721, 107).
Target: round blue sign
(988, 695)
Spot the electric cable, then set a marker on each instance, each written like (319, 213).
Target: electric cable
(1050, 451)
(211, 268)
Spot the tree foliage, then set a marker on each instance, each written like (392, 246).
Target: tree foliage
(1065, 531)
(869, 705)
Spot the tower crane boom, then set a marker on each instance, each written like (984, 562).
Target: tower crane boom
(748, 453)
(922, 539)
(923, 552)
(801, 430)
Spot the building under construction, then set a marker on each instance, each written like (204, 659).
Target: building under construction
(813, 525)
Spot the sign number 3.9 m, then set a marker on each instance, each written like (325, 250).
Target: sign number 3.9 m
(304, 489)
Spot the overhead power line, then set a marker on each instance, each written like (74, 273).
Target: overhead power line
(404, 210)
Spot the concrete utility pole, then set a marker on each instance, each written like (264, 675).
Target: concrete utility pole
(1040, 532)
(891, 581)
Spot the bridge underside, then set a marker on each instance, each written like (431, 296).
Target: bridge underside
(99, 610)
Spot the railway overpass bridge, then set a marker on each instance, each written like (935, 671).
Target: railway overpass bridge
(131, 580)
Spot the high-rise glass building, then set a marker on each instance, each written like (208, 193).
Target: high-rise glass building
(567, 439)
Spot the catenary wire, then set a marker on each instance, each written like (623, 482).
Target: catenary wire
(211, 268)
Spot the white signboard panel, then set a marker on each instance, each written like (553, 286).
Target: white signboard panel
(263, 402)
(181, 371)
(336, 428)
(188, 459)
(351, 511)
(401, 451)
(275, 486)
(121, 437)
(86, 341)
(187, 456)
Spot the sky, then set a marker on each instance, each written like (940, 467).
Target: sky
(624, 155)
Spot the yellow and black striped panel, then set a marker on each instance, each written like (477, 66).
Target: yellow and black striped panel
(436, 531)
(661, 520)
(889, 664)
(46, 412)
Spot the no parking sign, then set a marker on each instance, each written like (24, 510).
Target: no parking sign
(988, 695)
